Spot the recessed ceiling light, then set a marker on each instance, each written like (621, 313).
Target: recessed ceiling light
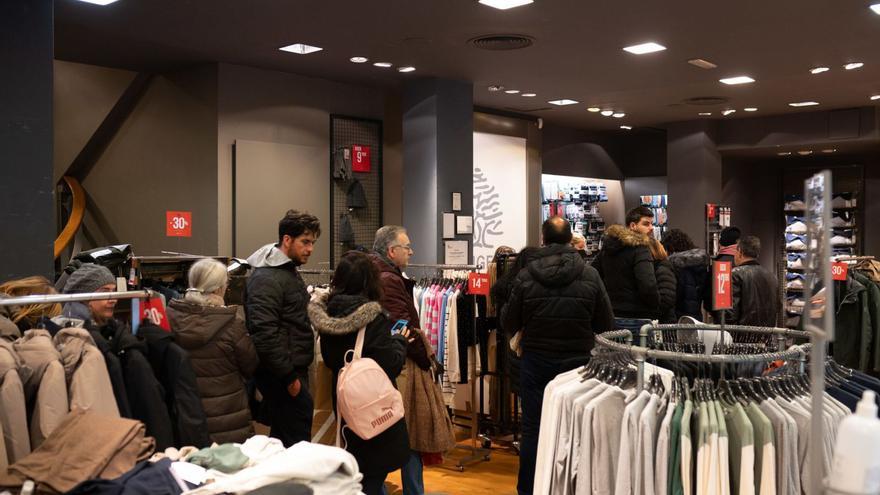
(512, 91)
(607, 113)
(359, 60)
(703, 64)
(875, 97)
(408, 68)
(619, 115)
(784, 153)
(737, 80)
(505, 4)
(728, 112)
(854, 65)
(805, 152)
(876, 8)
(99, 2)
(644, 48)
(594, 109)
(804, 104)
(529, 95)
(750, 109)
(705, 114)
(563, 102)
(832, 150)
(300, 48)
(384, 65)
(626, 128)
(493, 89)
(819, 70)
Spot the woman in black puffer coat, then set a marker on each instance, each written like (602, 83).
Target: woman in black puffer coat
(666, 283)
(691, 266)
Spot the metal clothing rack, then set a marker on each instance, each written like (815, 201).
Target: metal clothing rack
(86, 296)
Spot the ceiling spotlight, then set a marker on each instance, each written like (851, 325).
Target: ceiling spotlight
(494, 89)
(784, 153)
(529, 95)
(805, 152)
(384, 65)
(832, 150)
(607, 113)
(300, 48)
(750, 109)
(644, 48)
(854, 65)
(358, 60)
(563, 102)
(804, 104)
(705, 114)
(619, 115)
(626, 128)
(99, 2)
(408, 68)
(728, 112)
(737, 80)
(819, 70)
(594, 109)
(876, 8)
(512, 91)
(703, 64)
(505, 4)
(875, 97)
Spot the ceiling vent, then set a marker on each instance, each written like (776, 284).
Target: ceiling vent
(703, 101)
(500, 42)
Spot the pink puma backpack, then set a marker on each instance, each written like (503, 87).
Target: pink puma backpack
(365, 397)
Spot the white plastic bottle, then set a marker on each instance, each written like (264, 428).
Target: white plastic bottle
(856, 467)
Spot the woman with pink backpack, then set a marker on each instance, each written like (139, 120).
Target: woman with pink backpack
(372, 429)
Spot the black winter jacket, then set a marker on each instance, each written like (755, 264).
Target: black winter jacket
(338, 320)
(559, 302)
(755, 300)
(276, 306)
(694, 282)
(666, 287)
(627, 269)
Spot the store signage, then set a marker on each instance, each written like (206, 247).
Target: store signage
(478, 283)
(711, 210)
(721, 290)
(151, 310)
(178, 223)
(838, 271)
(360, 158)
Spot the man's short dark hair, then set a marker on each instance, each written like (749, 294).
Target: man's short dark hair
(556, 230)
(750, 246)
(635, 215)
(729, 236)
(296, 224)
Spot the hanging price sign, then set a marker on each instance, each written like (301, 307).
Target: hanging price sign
(838, 270)
(478, 283)
(721, 289)
(360, 158)
(178, 223)
(151, 310)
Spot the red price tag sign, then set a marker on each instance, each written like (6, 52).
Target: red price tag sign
(711, 211)
(721, 289)
(360, 158)
(478, 283)
(178, 223)
(838, 270)
(152, 310)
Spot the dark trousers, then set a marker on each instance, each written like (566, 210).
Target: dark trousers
(290, 418)
(374, 484)
(536, 371)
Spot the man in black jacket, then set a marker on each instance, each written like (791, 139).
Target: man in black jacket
(276, 305)
(753, 288)
(558, 302)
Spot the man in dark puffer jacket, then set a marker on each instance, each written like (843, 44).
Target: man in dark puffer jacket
(559, 302)
(276, 306)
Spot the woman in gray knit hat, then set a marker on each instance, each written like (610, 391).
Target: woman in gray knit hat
(90, 278)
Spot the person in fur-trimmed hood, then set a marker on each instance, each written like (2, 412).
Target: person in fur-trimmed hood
(627, 268)
(338, 316)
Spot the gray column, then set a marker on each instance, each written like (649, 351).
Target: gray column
(438, 159)
(26, 188)
(694, 175)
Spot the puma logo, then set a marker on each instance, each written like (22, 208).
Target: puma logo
(382, 419)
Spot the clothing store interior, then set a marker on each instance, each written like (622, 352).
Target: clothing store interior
(460, 247)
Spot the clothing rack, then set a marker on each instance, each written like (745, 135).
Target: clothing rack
(87, 296)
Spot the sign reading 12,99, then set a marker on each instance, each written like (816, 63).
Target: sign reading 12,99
(178, 223)
(721, 285)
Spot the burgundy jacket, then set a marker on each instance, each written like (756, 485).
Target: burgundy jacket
(397, 300)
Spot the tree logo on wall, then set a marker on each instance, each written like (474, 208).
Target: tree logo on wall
(487, 211)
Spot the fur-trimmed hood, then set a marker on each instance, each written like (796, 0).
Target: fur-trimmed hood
(688, 259)
(352, 313)
(618, 237)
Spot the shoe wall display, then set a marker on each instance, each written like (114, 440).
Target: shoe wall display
(577, 200)
(657, 203)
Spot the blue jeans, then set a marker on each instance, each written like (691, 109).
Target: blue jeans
(411, 475)
(631, 324)
(536, 371)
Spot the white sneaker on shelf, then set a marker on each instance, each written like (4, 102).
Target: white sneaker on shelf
(796, 228)
(796, 244)
(795, 205)
(840, 240)
(798, 263)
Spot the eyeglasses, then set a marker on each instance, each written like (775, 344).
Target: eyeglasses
(407, 247)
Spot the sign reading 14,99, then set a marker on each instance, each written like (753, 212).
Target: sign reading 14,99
(178, 223)
(478, 283)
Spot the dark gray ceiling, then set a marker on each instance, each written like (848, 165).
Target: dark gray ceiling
(577, 51)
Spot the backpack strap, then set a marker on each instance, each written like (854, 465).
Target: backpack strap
(359, 345)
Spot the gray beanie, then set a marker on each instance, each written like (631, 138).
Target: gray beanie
(88, 278)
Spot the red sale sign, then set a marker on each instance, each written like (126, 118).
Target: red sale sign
(478, 283)
(721, 288)
(178, 223)
(152, 310)
(360, 158)
(711, 211)
(838, 270)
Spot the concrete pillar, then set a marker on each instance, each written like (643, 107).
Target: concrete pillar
(694, 176)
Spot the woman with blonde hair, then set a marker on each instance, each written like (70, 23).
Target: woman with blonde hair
(221, 351)
(666, 282)
(28, 316)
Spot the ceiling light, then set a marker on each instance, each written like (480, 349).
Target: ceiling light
(512, 91)
(750, 109)
(529, 95)
(832, 150)
(728, 112)
(607, 113)
(705, 114)
(99, 2)
(644, 48)
(505, 4)
(626, 128)
(875, 97)
(300, 48)
(494, 89)
(876, 8)
(619, 115)
(384, 65)
(805, 152)
(408, 68)
(594, 109)
(854, 65)
(819, 70)
(737, 80)
(803, 104)
(563, 102)
(359, 60)
(784, 153)
(703, 64)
